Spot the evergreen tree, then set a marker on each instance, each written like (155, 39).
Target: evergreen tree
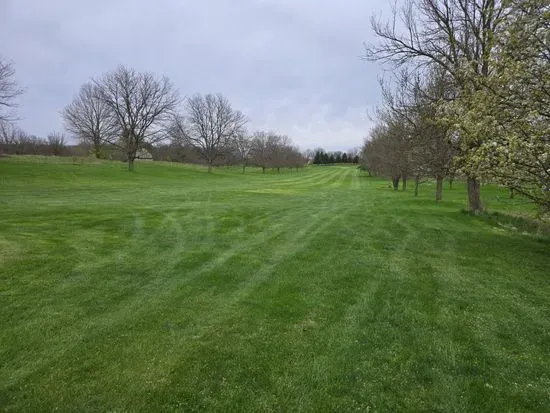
(317, 158)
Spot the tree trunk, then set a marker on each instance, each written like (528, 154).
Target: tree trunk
(439, 188)
(244, 167)
(209, 166)
(278, 169)
(395, 181)
(404, 183)
(131, 149)
(512, 193)
(416, 184)
(451, 183)
(474, 197)
(263, 169)
(97, 151)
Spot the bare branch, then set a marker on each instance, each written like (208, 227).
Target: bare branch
(209, 125)
(9, 90)
(89, 119)
(142, 106)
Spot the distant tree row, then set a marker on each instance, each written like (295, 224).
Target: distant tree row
(266, 150)
(470, 95)
(142, 115)
(321, 157)
(409, 141)
(15, 141)
(134, 111)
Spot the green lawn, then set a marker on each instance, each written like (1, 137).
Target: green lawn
(171, 289)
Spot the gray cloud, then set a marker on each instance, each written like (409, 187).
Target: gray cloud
(292, 66)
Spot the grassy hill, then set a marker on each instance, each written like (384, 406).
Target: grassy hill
(321, 290)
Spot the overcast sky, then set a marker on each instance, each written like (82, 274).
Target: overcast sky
(293, 66)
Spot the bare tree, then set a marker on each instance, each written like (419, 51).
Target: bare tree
(243, 146)
(271, 150)
(90, 119)
(278, 147)
(141, 104)
(209, 125)
(459, 36)
(10, 133)
(414, 100)
(393, 141)
(56, 142)
(14, 140)
(260, 150)
(308, 155)
(9, 89)
(294, 158)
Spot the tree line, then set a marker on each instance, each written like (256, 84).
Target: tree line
(469, 96)
(138, 114)
(13, 140)
(321, 157)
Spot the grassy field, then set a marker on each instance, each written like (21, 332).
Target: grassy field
(171, 289)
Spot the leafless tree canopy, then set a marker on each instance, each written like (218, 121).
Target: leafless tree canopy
(136, 112)
(141, 104)
(308, 155)
(56, 141)
(261, 154)
(243, 144)
(271, 150)
(458, 36)
(9, 90)
(15, 141)
(10, 133)
(209, 124)
(90, 119)
(410, 139)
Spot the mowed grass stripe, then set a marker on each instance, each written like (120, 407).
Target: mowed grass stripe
(153, 301)
(159, 287)
(307, 179)
(176, 290)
